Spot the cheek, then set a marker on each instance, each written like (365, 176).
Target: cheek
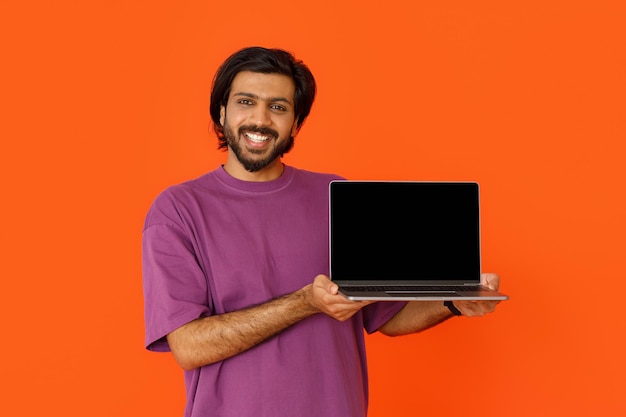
(233, 119)
(286, 130)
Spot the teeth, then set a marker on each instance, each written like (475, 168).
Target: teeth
(257, 138)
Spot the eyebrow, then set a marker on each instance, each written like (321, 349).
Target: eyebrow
(270, 99)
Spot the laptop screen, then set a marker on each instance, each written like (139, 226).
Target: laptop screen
(401, 231)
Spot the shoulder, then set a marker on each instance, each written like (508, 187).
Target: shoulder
(304, 175)
(175, 201)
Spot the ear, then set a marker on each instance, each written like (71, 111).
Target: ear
(222, 115)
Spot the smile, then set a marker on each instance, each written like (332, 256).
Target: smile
(254, 137)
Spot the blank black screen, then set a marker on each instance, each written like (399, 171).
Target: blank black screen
(404, 230)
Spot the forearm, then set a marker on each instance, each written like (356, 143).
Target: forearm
(212, 339)
(416, 316)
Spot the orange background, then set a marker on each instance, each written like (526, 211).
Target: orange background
(105, 103)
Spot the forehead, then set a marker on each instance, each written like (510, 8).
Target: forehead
(263, 86)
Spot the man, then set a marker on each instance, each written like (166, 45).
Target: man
(235, 265)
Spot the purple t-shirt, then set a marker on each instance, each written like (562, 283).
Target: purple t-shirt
(217, 244)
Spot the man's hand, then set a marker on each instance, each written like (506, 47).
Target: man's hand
(475, 308)
(325, 297)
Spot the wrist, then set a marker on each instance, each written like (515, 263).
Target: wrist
(306, 300)
(450, 305)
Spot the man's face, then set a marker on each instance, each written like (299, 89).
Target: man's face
(259, 120)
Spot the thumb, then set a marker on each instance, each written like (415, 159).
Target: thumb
(324, 282)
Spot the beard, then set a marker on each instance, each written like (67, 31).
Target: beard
(254, 160)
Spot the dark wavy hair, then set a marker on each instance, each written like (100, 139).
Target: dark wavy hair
(266, 61)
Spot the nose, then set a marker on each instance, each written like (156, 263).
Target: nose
(261, 116)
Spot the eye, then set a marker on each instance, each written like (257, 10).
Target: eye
(278, 107)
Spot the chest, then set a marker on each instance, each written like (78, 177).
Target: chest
(256, 250)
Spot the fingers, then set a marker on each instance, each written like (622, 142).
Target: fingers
(490, 280)
(476, 308)
(329, 301)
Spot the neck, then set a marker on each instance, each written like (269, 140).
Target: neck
(271, 172)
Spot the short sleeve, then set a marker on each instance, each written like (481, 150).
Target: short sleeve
(174, 284)
(377, 314)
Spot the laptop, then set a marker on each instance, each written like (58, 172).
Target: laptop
(406, 240)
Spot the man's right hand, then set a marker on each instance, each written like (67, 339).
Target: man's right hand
(325, 297)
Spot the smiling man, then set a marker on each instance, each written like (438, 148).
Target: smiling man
(260, 124)
(235, 265)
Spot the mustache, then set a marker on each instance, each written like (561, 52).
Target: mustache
(260, 130)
